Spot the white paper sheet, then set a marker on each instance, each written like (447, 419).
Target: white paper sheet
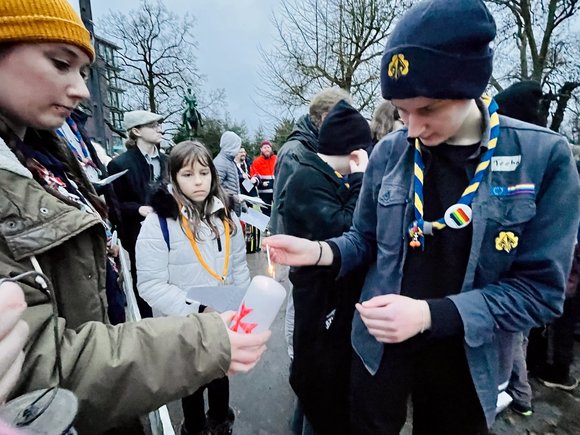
(221, 298)
(111, 178)
(255, 218)
(247, 184)
(252, 199)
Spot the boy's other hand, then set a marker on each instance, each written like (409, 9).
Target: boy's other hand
(359, 160)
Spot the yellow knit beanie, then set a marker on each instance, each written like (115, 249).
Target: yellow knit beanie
(43, 21)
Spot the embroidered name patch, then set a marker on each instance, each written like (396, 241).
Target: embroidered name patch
(505, 163)
(518, 189)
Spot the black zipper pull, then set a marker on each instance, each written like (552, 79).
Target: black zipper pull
(219, 243)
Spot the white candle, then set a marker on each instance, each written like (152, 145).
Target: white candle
(260, 305)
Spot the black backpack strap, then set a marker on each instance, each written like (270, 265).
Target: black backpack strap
(164, 231)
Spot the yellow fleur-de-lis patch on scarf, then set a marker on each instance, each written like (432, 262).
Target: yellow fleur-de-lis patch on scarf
(506, 241)
(398, 67)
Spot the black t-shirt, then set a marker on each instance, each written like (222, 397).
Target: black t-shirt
(438, 270)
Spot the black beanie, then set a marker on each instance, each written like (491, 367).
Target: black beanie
(521, 101)
(343, 131)
(439, 49)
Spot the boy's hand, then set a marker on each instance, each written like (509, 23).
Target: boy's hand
(359, 160)
(395, 318)
(294, 251)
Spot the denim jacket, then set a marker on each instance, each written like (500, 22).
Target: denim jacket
(503, 292)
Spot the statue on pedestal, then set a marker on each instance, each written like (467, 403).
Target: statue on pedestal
(191, 116)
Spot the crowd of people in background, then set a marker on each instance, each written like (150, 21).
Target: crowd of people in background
(433, 248)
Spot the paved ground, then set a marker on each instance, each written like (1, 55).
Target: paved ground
(263, 400)
(555, 411)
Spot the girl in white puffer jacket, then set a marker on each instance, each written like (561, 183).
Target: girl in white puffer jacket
(203, 246)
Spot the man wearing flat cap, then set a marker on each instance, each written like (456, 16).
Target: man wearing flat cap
(145, 168)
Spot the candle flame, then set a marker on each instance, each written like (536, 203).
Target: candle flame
(271, 271)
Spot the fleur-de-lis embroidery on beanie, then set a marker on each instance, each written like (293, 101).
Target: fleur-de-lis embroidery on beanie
(398, 67)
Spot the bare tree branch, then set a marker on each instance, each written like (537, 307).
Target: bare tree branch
(156, 57)
(495, 84)
(547, 51)
(328, 43)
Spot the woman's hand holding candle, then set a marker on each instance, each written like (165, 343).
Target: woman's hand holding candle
(294, 251)
(246, 349)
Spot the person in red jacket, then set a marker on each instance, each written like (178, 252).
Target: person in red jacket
(262, 172)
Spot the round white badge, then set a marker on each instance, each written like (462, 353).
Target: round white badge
(458, 216)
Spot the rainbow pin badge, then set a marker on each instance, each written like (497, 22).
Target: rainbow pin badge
(458, 216)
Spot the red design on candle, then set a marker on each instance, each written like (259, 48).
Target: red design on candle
(238, 324)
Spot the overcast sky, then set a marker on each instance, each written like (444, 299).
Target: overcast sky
(228, 33)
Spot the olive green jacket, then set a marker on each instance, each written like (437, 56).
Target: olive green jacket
(117, 372)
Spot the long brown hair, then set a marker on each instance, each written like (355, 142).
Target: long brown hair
(131, 141)
(186, 154)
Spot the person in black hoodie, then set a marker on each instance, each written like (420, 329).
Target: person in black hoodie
(302, 140)
(320, 200)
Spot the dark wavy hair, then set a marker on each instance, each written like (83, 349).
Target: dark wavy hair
(186, 154)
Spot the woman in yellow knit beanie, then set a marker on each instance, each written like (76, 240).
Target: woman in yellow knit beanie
(49, 222)
(44, 20)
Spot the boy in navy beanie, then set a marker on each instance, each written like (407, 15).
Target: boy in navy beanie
(439, 49)
(463, 225)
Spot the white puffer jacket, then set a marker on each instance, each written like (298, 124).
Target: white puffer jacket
(165, 277)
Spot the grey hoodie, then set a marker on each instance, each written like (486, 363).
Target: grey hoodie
(230, 144)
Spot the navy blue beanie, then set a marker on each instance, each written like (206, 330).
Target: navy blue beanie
(343, 131)
(439, 49)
